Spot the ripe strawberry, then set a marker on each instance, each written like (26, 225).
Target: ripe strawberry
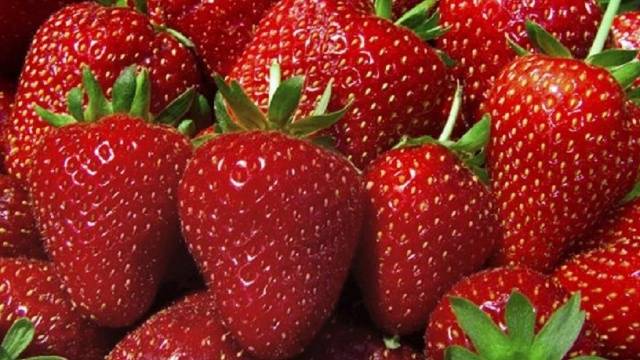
(397, 81)
(478, 30)
(189, 329)
(272, 220)
(104, 190)
(30, 288)
(625, 31)
(430, 222)
(107, 39)
(18, 233)
(6, 103)
(608, 278)
(493, 290)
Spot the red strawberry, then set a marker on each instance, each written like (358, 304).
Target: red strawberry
(609, 280)
(104, 190)
(272, 220)
(430, 222)
(625, 31)
(220, 30)
(6, 103)
(477, 39)
(30, 288)
(18, 233)
(492, 290)
(398, 82)
(107, 39)
(189, 329)
(19, 21)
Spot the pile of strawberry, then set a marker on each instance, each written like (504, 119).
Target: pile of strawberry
(320, 179)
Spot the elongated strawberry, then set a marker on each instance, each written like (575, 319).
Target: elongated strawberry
(106, 39)
(478, 33)
(31, 289)
(530, 310)
(430, 221)
(104, 188)
(18, 233)
(271, 219)
(189, 329)
(397, 81)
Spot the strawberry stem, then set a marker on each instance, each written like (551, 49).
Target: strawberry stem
(453, 115)
(384, 8)
(605, 26)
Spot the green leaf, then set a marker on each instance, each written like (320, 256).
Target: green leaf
(184, 40)
(407, 141)
(459, 353)
(187, 128)
(521, 321)
(105, 2)
(431, 28)
(612, 58)
(476, 138)
(384, 8)
(98, 106)
(202, 139)
(588, 357)
(75, 100)
(633, 93)
(18, 337)
(142, 98)
(141, 6)
(124, 90)
(285, 101)
(176, 110)
(446, 59)
(201, 110)
(486, 337)
(246, 112)
(632, 195)
(626, 74)
(323, 103)
(545, 41)
(4, 355)
(45, 357)
(53, 119)
(275, 78)
(225, 123)
(315, 123)
(392, 343)
(328, 142)
(560, 332)
(519, 50)
(417, 15)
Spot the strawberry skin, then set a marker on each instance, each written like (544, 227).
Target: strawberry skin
(7, 91)
(397, 81)
(477, 38)
(30, 288)
(430, 222)
(105, 200)
(625, 31)
(490, 290)
(189, 329)
(107, 39)
(273, 223)
(561, 154)
(18, 233)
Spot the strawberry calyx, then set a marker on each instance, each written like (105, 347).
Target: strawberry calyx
(392, 343)
(519, 341)
(17, 339)
(140, 5)
(131, 96)
(419, 19)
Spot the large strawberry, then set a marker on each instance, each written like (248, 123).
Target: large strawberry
(271, 219)
(430, 221)
(31, 289)
(18, 233)
(104, 189)
(398, 82)
(516, 299)
(189, 329)
(107, 39)
(478, 32)
(7, 91)
(562, 150)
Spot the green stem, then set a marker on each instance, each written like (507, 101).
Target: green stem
(384, 8)
(605, 27)
(453, 115)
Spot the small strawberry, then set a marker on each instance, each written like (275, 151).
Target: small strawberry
(30, 288)
(478, 31)
(430, 222)
(107, 39)
(18, 233)
(189, 329)
(520, 300)
(271, 219)
(104, 189)
(6, 104)
(397, 80)
(563, 149)
(609, 279)
(625, 31)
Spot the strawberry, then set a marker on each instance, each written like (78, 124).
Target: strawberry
(189, 329)
(479, 30)
(220, 30)
(18, 233)
(608, 278)
(30, 288)
(536, 298)
(430, 222)
(563, 147)
(106, 39)
(271, 219)
(625, 31)
(19, 22)
(6, 103)
(397, 81)
(104, 189)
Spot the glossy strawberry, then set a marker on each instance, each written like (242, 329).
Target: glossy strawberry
(189, 329)
(625, 31)
(477, 39)
(107, 39)
(104, 190)
(18, 233)
(30, 288)
(492, 290)
(397, 81)
(6, 104)
(272, 221)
